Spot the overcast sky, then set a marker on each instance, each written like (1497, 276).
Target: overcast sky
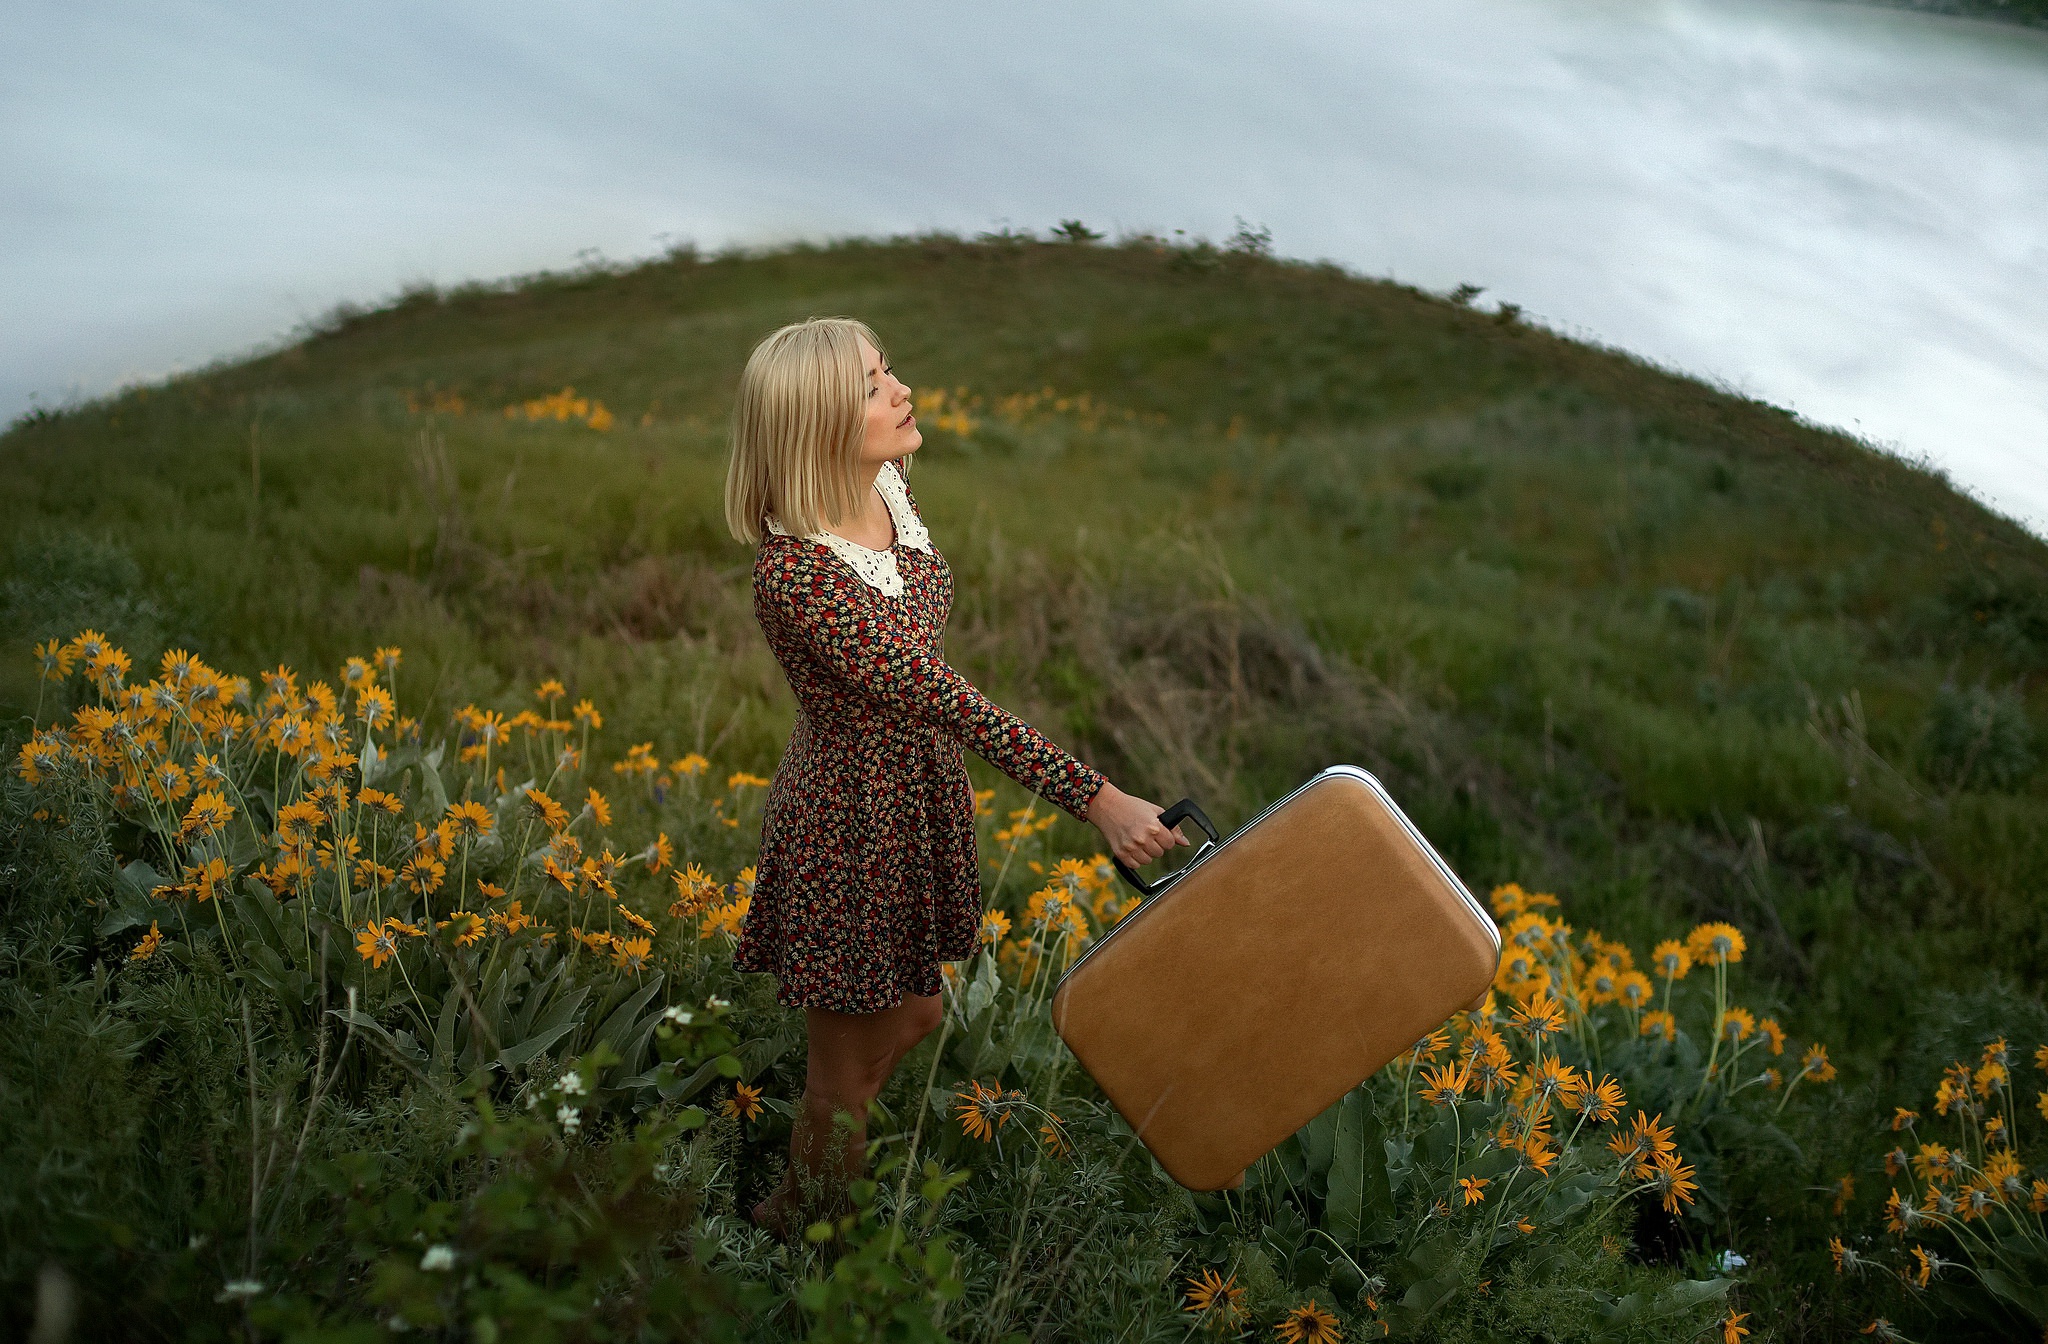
(1842, 210)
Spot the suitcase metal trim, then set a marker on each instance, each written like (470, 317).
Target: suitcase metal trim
(1208, 848)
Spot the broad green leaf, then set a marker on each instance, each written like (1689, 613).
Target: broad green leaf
(983, 988)
(1358, 1169)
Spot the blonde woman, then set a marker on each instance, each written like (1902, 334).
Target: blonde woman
(868, 877)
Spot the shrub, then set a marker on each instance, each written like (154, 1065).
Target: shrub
(1978, 738)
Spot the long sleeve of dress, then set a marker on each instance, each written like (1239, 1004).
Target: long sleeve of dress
(817, 602)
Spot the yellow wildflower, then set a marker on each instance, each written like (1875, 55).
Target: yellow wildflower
(1211, 1292)
(1673, 1180)
(376, 943)
(1599, 1102)
(472, 820)
(209, 812)
(1715, 944)
(1814, 1064)
(380, 801)
(546, 810)
(1671, 959)
(1308, 1324)
(995, 926)
(984, 1110)
(56, 660)
(423, 873)
(469, 927)
(743, 1104)
(151, 941)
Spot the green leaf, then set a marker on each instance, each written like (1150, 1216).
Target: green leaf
(624, 1031)
(1358, 1168)
(2029, 1298)
(1680, 1299)
(1426, 1295)
(141, 879)
(400, 1044)
(1436, 1256)
(760, 1054)
(431, 791)
(559, 1022)
(444, 1030)
(1565, 1198)
(1400, 1162)
(1319, 1138)
(133, 906)
(983, 988)
(678, 1088)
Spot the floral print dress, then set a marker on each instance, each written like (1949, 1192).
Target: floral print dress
(868, 876)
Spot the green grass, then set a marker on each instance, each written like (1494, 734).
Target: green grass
(1603, 629)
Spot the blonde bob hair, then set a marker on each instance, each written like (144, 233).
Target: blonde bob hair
(798, 423)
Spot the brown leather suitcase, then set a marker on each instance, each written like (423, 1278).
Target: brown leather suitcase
(1272, 973)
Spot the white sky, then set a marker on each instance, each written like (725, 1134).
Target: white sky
(1841, 210)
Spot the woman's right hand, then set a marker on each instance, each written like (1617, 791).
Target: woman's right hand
(1131, 825)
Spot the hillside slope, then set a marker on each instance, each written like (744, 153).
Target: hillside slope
(1217, 521)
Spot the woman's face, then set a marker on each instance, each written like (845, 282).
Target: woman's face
(892, 431)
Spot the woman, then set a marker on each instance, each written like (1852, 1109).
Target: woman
(868, 876)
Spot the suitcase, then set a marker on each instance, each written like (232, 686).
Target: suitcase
(1272, 973)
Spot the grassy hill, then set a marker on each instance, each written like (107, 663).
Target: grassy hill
(1217, 521)
(2027, 13)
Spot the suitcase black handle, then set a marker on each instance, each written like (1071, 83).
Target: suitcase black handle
(1184, 810)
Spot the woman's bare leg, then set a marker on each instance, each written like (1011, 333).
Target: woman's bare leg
(852, 1056)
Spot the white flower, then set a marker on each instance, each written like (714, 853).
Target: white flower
(438, 1257)
(680, 1016)
(568, 1117)
(1730, 1260)
(238, 1288)
(572, 1084)
(714, 1003)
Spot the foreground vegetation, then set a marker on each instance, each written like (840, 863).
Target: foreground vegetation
(1217, 521)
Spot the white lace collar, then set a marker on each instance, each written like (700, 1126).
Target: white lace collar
(877, 568)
